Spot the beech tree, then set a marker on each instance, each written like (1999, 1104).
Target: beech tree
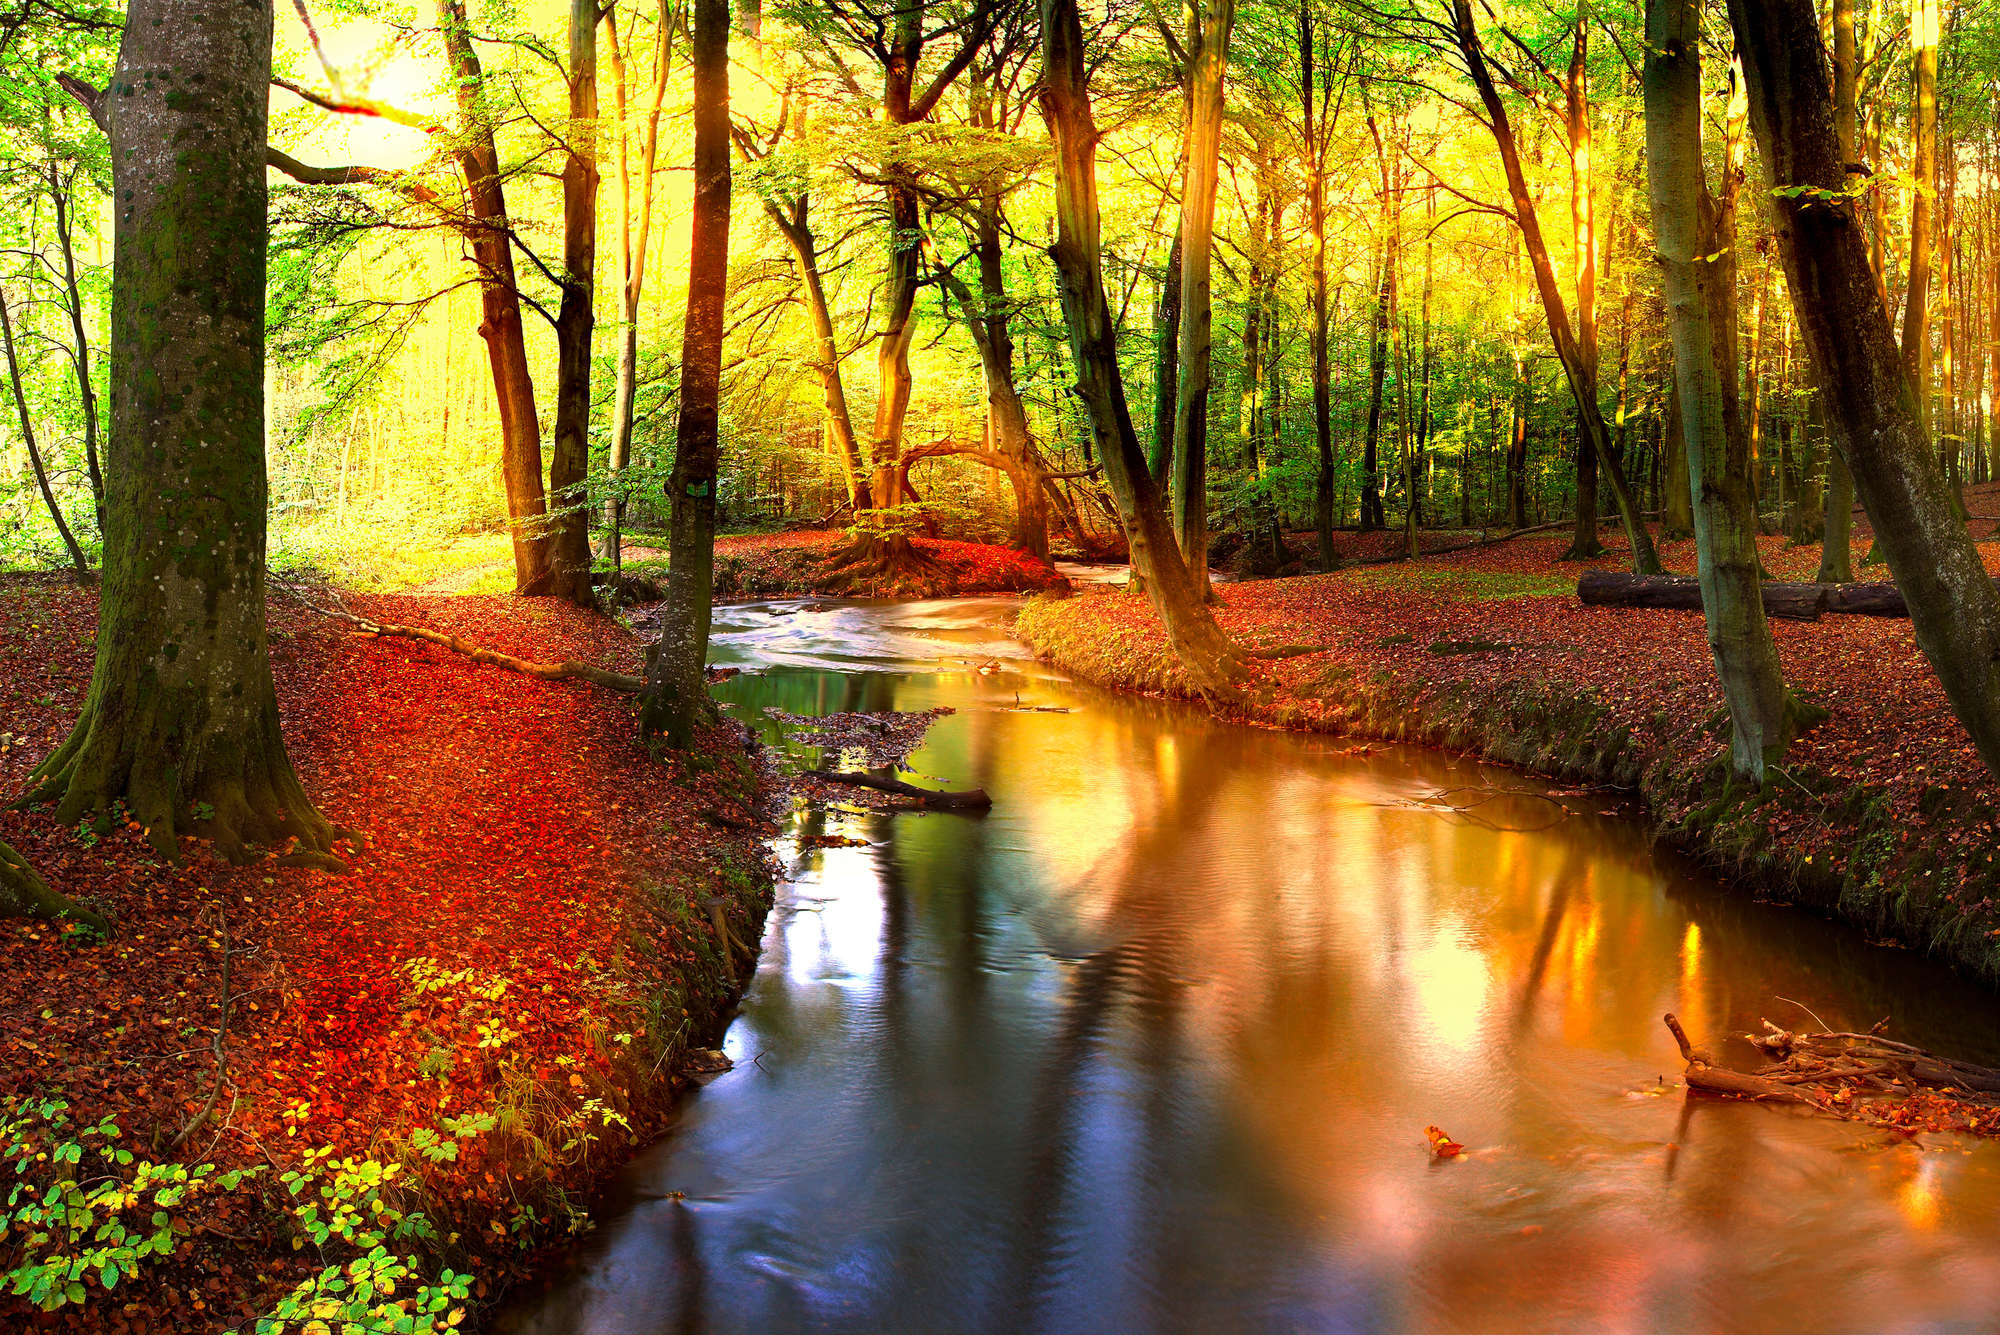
(181, 721)
(1211, 660)
(675, 690)
(1696, 251)
(1871, 403)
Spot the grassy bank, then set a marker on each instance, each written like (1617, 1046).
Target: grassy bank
(278, 1093)
(1881, 816)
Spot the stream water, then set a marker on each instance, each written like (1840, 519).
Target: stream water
(1153, 1047)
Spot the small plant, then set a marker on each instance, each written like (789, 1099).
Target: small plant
(83, 1211)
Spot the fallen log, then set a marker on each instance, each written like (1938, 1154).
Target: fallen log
(1796, 600)
(1609, 588)
(972, 799)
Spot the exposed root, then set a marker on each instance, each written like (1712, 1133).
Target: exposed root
(24, 894)
(877, 565)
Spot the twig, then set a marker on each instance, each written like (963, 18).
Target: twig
(221, 1045)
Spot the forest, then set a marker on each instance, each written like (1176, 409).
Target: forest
(704, 663)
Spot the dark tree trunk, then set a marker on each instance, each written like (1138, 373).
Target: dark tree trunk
(1870, 403)
(181, 722)
(1210, 659)
(34, 452)
(1579, 368)
(86, 393)
(1166, 368)
(1373, 516)
(576, 322)
(676, 691)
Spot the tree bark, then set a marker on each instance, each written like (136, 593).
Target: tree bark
(576, 321)
(1761, 711)
(632, 244)
(181, 721)
(1207, 44)
(24, 894)
(1211, 660)
(676, 690)
(1870, 402)
(488, 234)
(1166, 368)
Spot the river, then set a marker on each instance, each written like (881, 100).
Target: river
(1153, 1046)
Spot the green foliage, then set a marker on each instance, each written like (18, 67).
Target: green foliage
(83, 1213)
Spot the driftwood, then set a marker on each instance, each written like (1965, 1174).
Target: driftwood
(974, 799)
(1798, 601)
(1864, 1076)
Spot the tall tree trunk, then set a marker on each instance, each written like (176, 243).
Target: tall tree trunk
(1210, 660)
(1871, 404)
(1166, 367)
(76, 556)
(487, 230)
(1687, 222)
(576, 320)
(1583, 544)
(86, 393)
(1924, 168)
(181, 722)
(1322, 383)
(1580, 373)
(632, 245)
(676, 690)
(1207, 43)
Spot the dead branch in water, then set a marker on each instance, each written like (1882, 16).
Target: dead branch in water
(1862, 1076)
(972, 799)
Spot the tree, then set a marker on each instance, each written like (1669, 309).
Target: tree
(1697, 255)
(675, 690)
(576, 319)
(1206, 58)
(1871, 404)
(1578, 356)
(1211, 660)
(77, 559)
(181, 721)
(632, 241)
(1317, 116)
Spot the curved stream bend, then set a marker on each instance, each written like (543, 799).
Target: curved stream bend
(1154, 1044)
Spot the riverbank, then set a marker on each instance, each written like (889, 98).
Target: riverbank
(788, 565)
(1882, 816)
(439, 1054)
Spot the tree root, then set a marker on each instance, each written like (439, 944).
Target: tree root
(870, 564)
(24, 894)
(568, 669)
(1863, 1077)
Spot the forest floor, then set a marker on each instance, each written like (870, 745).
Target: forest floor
(1882, 815)
(476, 1023)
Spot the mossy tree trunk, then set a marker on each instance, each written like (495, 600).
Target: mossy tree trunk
(1696, 253)
(675, 690)
(23, 894)
(1871, 403)
(1211, 660)
(181, 722)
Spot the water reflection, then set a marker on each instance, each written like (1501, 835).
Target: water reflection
(1152, 1047)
